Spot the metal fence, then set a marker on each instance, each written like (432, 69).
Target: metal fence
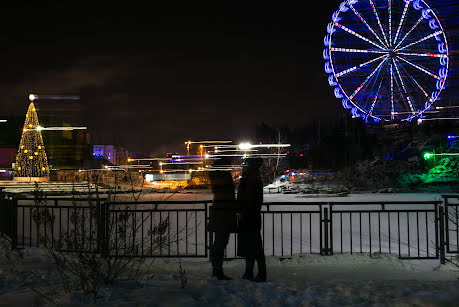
(406, 228)
(409, 229)
(157, 229)
(287, 229)
(123, 229)
(67, 224)
(451, 223)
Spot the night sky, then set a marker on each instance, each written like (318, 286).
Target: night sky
(153, 77)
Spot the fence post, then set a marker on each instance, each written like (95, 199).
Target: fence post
(441, 216)
(331, 230)
(208, 241)
(14, 223)
(325, 225)
(3, 215)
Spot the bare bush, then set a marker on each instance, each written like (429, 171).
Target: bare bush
(88, 254)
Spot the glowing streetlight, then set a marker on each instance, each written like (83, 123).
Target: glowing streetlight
(188, 144)
(427, 155)
(32, 97)
(245, 146)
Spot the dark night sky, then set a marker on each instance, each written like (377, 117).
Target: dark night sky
(154, 77)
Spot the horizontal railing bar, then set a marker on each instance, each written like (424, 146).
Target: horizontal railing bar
(159, 256)
(450, 196)
(295, 203)
(165, 202)
(421, 202)
(62, 199)
(159, 210)
(288, 212)
(421, 258)
(52, 206)
(382, 211)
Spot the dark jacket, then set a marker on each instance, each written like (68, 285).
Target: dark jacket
(250, 198)
(223, 212)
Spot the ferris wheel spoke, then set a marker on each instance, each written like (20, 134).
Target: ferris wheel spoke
(344, 72)
(365, 23)
(411, 30)
(432, 55)
(389, 9)
(420, 87)
(357, 50)
(402, 20)
(375, 99)
(368, 78)
(379, 21)
(403, 86)
(421, 40)
(420, 68)
(392, 92)
(403, 98)
(358, 35)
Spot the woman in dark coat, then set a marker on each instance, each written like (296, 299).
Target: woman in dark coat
(222, 216)
(250, 197)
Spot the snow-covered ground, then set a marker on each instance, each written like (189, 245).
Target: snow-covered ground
(302, 280)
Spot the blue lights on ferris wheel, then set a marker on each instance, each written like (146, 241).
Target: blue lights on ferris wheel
(379, 57)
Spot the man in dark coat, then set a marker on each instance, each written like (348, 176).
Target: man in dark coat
(250, 197)
(222, 215)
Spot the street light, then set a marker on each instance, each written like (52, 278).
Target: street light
(428, 155)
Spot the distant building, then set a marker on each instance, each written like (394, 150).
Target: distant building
(7, 158)
(114, 154)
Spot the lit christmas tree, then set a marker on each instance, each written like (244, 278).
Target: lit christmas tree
(31, 159)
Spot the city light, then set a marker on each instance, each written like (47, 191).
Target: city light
(429, 155)
(244, 146)
(33, 97)
(248, 146)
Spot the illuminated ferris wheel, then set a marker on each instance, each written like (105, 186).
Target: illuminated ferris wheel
(386, 59)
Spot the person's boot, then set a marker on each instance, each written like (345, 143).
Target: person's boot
(248, 276)
(249, 264)
(261, 276)
(220, 275)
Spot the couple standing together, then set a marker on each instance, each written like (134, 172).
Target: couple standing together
(242, 215)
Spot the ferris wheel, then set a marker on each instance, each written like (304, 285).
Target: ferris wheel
(386, 59)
